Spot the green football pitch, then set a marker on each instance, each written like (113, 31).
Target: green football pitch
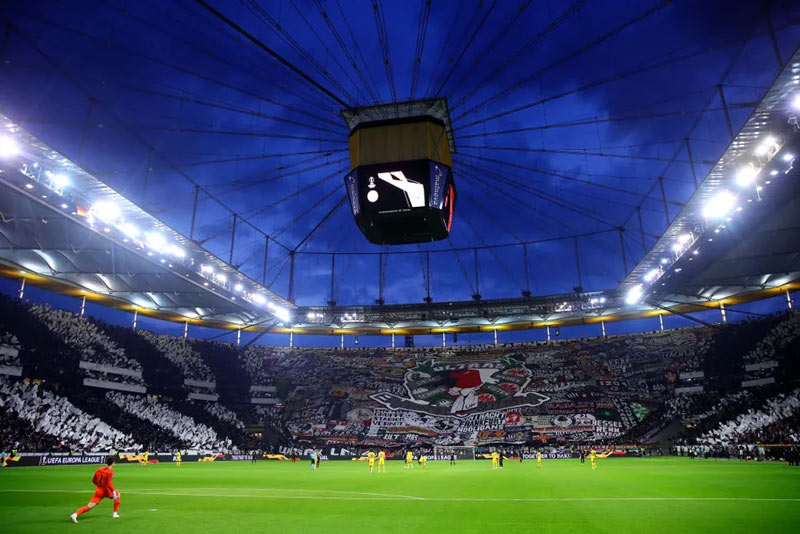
(672, 495)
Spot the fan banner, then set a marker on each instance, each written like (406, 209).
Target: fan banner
(464, 388)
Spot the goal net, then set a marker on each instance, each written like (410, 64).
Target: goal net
(460, 452)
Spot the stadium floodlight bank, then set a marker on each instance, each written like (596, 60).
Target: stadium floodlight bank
(82, 209)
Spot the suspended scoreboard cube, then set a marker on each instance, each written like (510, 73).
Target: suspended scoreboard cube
(400, 184)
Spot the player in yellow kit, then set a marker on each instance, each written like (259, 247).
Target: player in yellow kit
(371, 460)
(495, 460)
(146, 458)
(178, 458)
(381, 462)
(409, 460)
(424, 461)
(593, 458)
(538, 459)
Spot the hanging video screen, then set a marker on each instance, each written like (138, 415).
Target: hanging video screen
(410, 201)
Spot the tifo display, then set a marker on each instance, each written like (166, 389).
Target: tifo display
(74, 384)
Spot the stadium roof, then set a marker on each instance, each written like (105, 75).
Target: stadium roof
(63, 225)
(573, 167)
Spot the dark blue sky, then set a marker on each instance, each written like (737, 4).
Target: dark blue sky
(565, 115)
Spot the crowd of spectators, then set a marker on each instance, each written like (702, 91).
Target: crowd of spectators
(9, 350)
(193, 434)
(257, 362)
(596, 389)
(182, 354)
(19, 435)
(777, 338)
(227, 425)
(91, 342)
(699, 408)
(224, 414)
(774, 421)
(94, 401)
(267, 414)
(56, 416)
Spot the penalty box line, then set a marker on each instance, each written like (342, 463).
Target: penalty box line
(388, 497)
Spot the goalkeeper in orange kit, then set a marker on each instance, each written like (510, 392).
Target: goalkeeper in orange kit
(103, 480)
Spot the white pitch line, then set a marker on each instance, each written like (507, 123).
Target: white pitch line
(388, 495)
(385, 497)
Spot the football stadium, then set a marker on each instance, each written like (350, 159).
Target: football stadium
(357, 266)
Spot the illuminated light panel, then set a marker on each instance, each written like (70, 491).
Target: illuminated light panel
(105, 211)
(634, 294)
(8, 147)
(129, 229)
(155, 241)
(746, 176)
(719, 205)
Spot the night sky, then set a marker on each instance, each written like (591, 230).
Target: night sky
(565, 115)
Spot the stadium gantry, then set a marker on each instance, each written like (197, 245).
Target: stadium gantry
(237, 236)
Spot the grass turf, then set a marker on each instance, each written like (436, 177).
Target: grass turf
(622, 495)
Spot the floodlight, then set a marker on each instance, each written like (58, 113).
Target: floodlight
(766, 146)
(746, 175)
(282, 314)
(238, 287)
(258, 298)
(634, 294)
(8, 147)
(664, 261)
(155, 240)
(676, 247)
(221, 278)
(684, 238)
(650, 275)
(129, 229)
(719, 205)
(796, 101)
(176, 251)
(788, 157)
(105, 211)
(207, 268)
(59, 180)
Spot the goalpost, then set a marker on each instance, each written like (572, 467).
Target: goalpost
(461, 452)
